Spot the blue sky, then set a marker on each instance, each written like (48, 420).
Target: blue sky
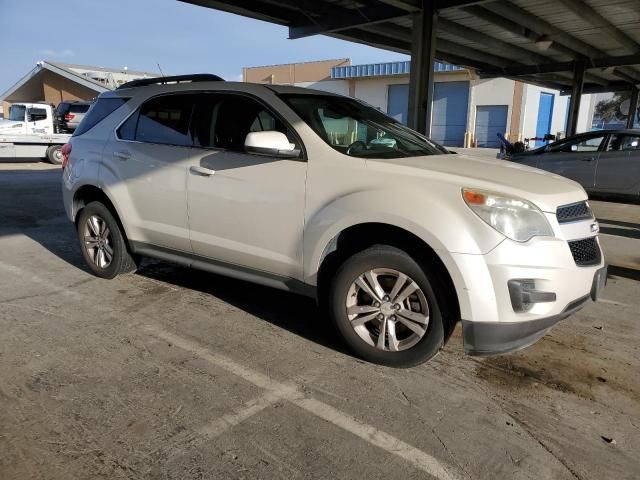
(182, 38)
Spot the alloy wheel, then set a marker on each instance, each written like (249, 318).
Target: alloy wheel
(387, 309)
(98, 241)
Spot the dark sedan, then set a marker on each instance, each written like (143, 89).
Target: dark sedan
(604, 162)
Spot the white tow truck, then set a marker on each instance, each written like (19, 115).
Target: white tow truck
(29, 132)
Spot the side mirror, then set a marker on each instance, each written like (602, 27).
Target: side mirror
(270, 144)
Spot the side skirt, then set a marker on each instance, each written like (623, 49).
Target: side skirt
(226, 269)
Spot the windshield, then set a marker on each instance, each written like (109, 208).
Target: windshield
(16, 113)
(358, 130)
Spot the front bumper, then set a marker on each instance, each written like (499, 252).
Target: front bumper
(493, 338)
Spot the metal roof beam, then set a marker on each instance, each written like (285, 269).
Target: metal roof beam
(555, 67)
(345, 18)
(403, 45)
(542, 41)
(590, 15)
(520, 16)
(394, 31)
(250, 8)
(442, 45)
(612, 87)
(415, 5)
(464, 51)
(499, 46)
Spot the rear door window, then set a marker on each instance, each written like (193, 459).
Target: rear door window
(166, 120)
(623, 143)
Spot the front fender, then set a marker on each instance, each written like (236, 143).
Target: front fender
(443, 222)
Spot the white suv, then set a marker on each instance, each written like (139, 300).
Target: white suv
(322, 195)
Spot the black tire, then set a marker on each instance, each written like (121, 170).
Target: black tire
(121, 259)
(387, 257)
(54, 154)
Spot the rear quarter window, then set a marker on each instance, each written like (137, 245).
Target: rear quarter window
(98, 112)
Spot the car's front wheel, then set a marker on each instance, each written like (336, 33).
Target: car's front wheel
(385, 306)
(102, 242)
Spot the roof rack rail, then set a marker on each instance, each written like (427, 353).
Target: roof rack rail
(197, 77)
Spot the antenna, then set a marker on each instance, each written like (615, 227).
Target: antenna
(160, 68)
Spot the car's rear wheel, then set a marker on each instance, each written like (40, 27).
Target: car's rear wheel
(102, 242)
(54, 154)
(385, 306)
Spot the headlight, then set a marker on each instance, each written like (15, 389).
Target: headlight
(513, 217)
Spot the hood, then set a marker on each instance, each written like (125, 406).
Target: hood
(546, 190)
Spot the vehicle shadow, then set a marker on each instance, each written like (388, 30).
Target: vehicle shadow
(295, 313)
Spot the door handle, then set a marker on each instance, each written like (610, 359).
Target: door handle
(203, 171)
(589, 159)
(122, 155)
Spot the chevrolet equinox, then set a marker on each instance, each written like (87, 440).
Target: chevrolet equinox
(322, 195)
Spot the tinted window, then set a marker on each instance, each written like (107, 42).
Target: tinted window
(82, 108)
(358, 130)
(223, 121)
(36, 114)
(98, 112)
(62, 108)
(166, 120)
(16, 113)
(589, 144)
(621, 143)
(127, 130)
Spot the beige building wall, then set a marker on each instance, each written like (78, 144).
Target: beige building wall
(293, 73)
(57, 88)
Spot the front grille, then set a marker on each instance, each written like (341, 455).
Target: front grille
(573, 212)
(585, 252)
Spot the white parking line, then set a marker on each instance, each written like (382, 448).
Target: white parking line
(613, 302)
(219, 426)
(39, 281)
(277, 391)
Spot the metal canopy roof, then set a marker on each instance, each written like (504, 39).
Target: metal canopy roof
(536, 41)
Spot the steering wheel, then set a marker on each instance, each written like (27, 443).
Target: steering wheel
(356, 147)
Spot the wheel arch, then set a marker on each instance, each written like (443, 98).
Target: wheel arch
(90, 193)
(360, 236)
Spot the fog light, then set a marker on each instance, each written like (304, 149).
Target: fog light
(524, 295)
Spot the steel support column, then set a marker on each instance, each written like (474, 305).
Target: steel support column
(633, 108)
(423, 49)
(576, 95)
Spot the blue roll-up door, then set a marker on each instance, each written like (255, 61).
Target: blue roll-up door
(449, 118)
(490, 120)
(545, 115)
(398, 101)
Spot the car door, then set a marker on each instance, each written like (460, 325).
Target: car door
(618, 167)
(39, 121)
(146, 167)
(244, 209)
(575, 159)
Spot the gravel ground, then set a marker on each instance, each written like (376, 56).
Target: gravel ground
(174, 373)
